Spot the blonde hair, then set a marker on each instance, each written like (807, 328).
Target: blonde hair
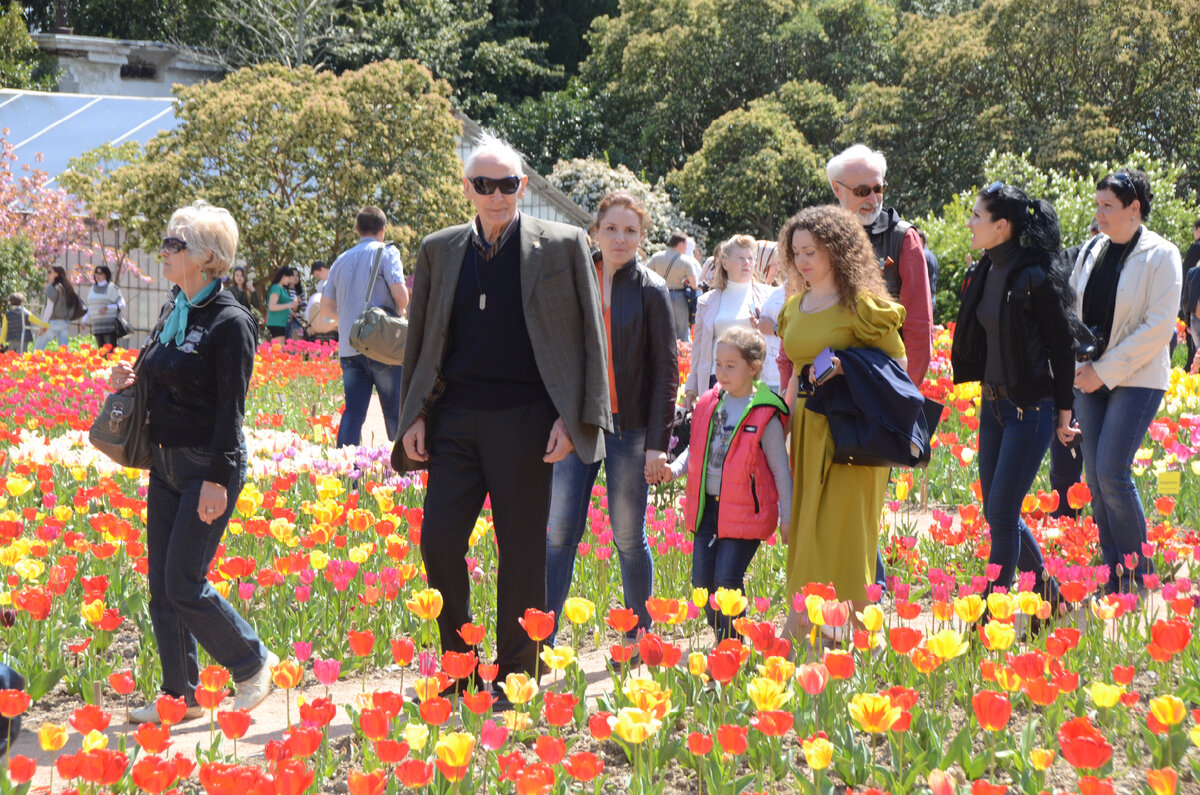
(749, 343)
(211, 235)
(720, 278)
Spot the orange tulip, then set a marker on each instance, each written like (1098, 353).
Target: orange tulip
(287, 674)
(992, 710)
(1078, 495)
(537, 624)
(234, 723)
(361, 643)
(367, 783)
(621, 619)
(214, 678)
(1162, 781)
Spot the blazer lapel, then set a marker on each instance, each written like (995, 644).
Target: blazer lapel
(532, 242)
(451, 267)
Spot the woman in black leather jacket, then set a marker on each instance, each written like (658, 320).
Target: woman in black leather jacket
(1015, 335)
(643, 376)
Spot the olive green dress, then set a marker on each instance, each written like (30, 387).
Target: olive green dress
(835, 507)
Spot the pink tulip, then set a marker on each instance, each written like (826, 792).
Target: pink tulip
(327, 671)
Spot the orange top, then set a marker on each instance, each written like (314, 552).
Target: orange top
(612, 378)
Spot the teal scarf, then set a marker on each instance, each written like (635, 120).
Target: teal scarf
(177, 322)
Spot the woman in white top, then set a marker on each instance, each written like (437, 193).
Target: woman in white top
(735, 300)
(104, 302)
(1128, 281)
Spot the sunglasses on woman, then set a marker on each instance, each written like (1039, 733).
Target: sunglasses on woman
(486, 186)
(173, 245)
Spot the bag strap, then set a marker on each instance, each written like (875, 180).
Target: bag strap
(151, 339)
(671, 265)
(374, 271)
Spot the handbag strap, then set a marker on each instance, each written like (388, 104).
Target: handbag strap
(151, 339)
(374, 273)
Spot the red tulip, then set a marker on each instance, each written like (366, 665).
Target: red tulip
(534, 780)
(904, 639)
(650, 646)
(992, 710)
(367, 783)
(153, 774)
(559, 709)
(403, 650)
(170, 710)
(153, 739)
(435, 711)
(292, 777)
(732, 739)
(302, 742)
(774, 723)
(813, 677)
(1078, 495)
(583, 766)
(537, 624)
(209, 699)
(1040, 691)
(458, 665)
(21, 769)
(488, 671)
(87, 718)
(375, 724)
(361, 643)
(550, 750)
(599, 727)
(319, 712)
(699, 744)
(840, 664)
(472, 634)
(414, 773)
(15, 702)
(121, 682)
(622, 619)
(723, 666)
(234, 723)
(1090, 785)
(391, 752)
(983, 787)
(478, 703)
(1082, 744)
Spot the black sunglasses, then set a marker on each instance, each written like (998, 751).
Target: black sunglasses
(486, 186)
(993, 189)
(1122, 179)
(173, 245)
(863, 191)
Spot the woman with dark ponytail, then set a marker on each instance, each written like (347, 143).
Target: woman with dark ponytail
(1016, 336)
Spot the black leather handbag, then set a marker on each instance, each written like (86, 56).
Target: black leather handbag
(848, 449)
(121, 326)
(121, 430)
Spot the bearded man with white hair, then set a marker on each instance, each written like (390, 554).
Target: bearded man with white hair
(858, 179)
(505, 373)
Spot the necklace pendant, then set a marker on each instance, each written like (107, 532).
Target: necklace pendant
(483, 300)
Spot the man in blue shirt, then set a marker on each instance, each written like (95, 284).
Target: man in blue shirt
(345, 296)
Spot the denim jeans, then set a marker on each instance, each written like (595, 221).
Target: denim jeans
(1012, 443)
(184, 606)
(719, 563)
(59, 330)
(359, 375)
(1114, 423)
(571, 496)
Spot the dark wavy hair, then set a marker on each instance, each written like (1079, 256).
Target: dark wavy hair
(1034, 225)
(60, 279)
(1128, 184)
(851, 256)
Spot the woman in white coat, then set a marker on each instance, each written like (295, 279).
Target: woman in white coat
(1128, 282)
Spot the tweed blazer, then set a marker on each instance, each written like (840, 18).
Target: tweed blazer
(561, 299)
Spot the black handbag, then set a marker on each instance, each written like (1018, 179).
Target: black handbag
(121, 430)
(121, 326)
(843, 428)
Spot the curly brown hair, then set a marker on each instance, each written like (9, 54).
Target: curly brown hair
(851, 256)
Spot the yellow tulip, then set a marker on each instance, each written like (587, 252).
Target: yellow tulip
(329, 487)
(697, 664)
(287, 674)
(318, 560)
(947, 645)
(17, 486)
(427, 687)
(1169, 710)
(873, 712)
(519, 688)
(578, 610)
(634, 725)
(1194, 735)
(223, 587)
(481, 529)
(731, 601)
(52, 736)
(1104, 610)
(95, 741)
(558, 657)
(92, 612)
(813, 605)
(969, 608)
(767, 694)
(649, 695)
(455, 748)
(903, 487)
(999, 637)
(1001, 606)
(871, 618)
(1008, 680)
(426, 604)
(1029, 602)
(817, 752)
(416, 735)
(700, 597)
(1105, 695)
(778, 669)
(29, 569)
(1041, 758)
(516, 721)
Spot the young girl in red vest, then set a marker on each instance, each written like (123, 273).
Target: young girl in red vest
(739, 485)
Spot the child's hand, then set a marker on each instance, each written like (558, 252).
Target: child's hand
(657, 468)
(783, 532)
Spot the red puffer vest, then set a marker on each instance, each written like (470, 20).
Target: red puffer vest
(749, 499)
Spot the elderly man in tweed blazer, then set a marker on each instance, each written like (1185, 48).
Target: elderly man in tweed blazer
(504, 374)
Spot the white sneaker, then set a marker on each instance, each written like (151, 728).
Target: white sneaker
(252, 691)
(149, 714)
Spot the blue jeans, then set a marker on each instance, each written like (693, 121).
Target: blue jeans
(1012, 443)
(571, 495)
(719, 563)
(59, 330)
(1114, 423)
(184, 607)
(359, 375)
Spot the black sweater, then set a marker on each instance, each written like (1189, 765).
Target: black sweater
(197, 391)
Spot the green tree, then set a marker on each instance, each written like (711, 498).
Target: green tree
(1074, 197)
(21, 64)
(294, 153)
(181, 21)
(558, 125)
(753, 170)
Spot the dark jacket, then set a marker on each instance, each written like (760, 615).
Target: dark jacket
(644, 355)
(197, 390)
(1038, 346)
(881, 397)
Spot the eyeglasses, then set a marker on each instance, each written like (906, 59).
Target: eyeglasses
(863, 191)
(1122, 179)
(993, 189)
(173, 245)
(486, 186)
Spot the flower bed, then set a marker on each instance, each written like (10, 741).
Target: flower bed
(333, 576)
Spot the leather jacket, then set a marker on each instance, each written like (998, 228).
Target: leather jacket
(1037, 352)
(644, 356)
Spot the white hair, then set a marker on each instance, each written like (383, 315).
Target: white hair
(206, 229)
(489, 145)
(854, 154)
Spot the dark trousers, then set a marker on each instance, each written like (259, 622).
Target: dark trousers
(184, 606)
(1065, 471)
(107, 338)
(719, 563)
(474, 454)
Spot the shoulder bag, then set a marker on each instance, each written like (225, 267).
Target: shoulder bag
(379, 333)
(121, 430)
